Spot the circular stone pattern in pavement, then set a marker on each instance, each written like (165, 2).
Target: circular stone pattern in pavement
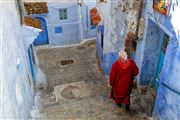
(71, 92)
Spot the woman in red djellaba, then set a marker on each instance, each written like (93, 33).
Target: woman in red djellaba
(122, 75)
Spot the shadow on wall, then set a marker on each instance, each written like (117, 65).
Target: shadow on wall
(151, 53)
(167, 105)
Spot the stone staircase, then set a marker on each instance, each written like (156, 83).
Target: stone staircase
(96, 106)
(79, 91)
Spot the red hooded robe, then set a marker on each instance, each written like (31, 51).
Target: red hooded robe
(121, 80)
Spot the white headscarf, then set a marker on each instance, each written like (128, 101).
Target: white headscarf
(123, 55)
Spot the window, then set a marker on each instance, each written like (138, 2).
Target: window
(63, 14)
(58, 29)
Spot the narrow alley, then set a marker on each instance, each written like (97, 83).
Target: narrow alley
(89, 60)
(77, 89)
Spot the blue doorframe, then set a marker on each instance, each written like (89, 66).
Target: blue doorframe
(160, 62)
(43, 36)
(31, 61)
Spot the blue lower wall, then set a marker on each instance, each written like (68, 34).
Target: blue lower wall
(70, 34)
(99, 38)
(108, 60)
(99, 51)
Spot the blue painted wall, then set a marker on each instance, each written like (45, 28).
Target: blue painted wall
(17, 100)
(151, 53)
(32, 62)
(99, 39)
(77, 26)
(87, 30)
(169, 90)
(106, 59)
(167, 105)
(70, 27)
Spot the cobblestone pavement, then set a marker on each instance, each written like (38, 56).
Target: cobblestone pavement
(77, 90)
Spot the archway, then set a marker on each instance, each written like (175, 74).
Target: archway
(43, 35)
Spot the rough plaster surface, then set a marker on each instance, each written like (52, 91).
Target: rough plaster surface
(41, 81)
(146, 55)
(17, 100)
(18, 94)
(166, 106)
(119, 17)
(151, 53)
(80, 90)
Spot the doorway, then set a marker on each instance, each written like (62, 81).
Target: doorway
(164, 44)
(31, 61)
(43, 35)
(152, 49)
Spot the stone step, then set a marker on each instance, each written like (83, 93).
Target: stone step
(89, 113)
(78, 101)
(100, 98)
(92, 88)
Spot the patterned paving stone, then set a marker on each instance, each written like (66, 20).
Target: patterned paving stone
(71, 91)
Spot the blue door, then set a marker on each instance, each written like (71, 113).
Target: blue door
(43, 36)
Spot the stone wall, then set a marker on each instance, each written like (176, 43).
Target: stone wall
(17, 94)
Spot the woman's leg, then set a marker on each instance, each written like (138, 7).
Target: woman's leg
(127, 108)
(120, 105)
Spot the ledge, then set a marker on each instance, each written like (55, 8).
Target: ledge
(30, 34)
